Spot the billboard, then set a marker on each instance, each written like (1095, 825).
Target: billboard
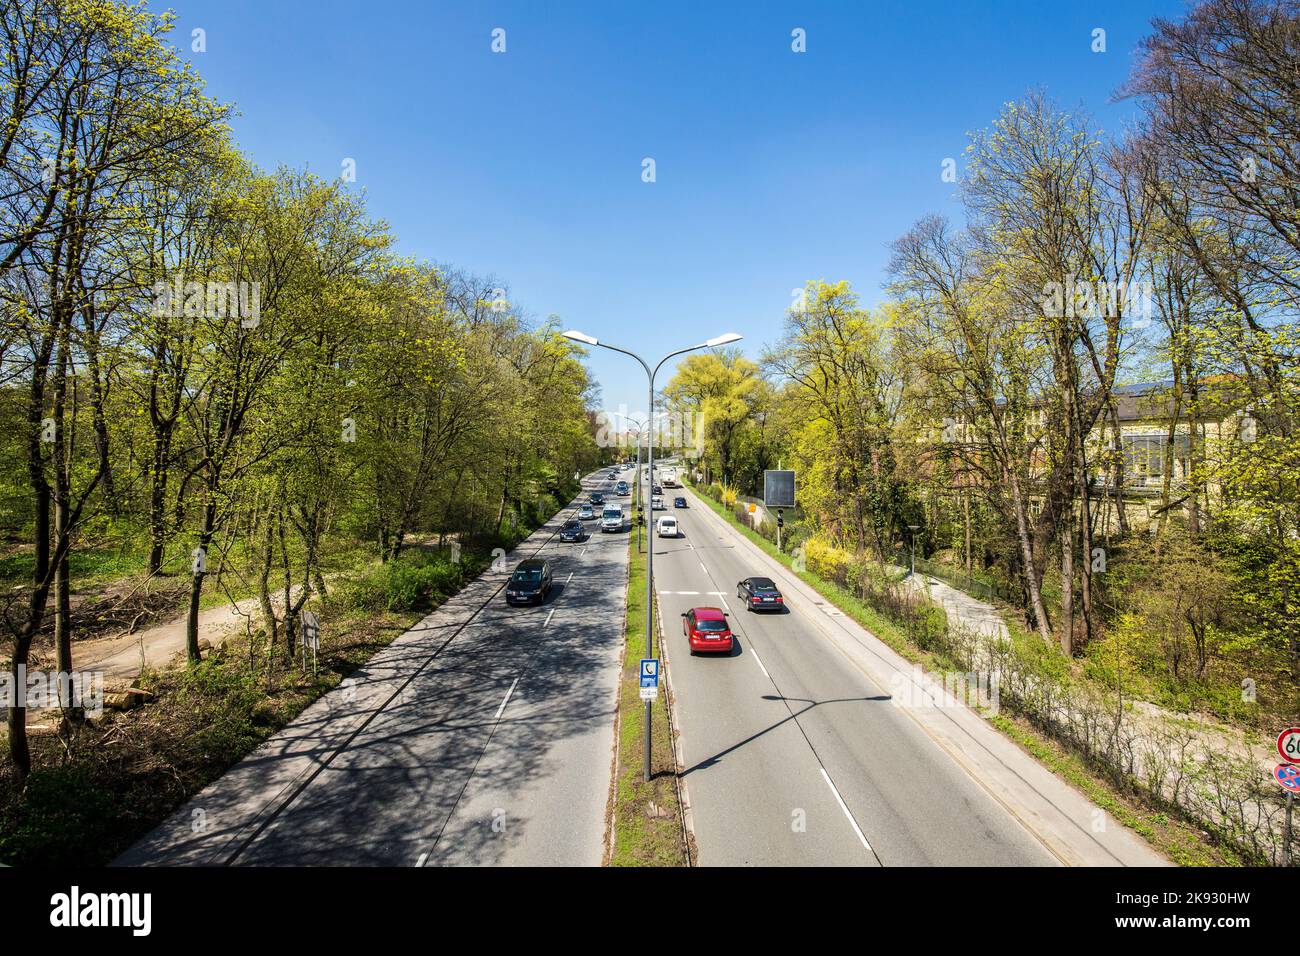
(778, 489)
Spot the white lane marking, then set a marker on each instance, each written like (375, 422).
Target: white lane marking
(840, 800)
(423, 856)
(569, 578)
(506, 700)
(548, 618)
(703, 568)
(760, 665)
(716, 593)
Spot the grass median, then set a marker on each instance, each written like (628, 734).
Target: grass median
(647, 828)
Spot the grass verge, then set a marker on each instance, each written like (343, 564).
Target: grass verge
(647, 815)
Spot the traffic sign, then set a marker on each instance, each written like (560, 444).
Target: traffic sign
(1288, 744)
(310, 631)
(649, 672)
(1288, 775)
(778, 488)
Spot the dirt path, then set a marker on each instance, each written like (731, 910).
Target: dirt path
(121, 659)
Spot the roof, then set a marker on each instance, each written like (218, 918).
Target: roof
(531, 563)
(1219, 395)
(709, 614)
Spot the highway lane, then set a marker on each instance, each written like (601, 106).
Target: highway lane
(788, 733)
(482, 736)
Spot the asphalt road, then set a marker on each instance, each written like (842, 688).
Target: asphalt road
(484, 735)
(793, 755)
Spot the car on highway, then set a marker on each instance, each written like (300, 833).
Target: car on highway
(596, 498)
(611, 519)
(760, 594)
(667, 527)
(531, 582)
(706, 629)
(679, 502)
(586, 512)
(572, 530)
(657, 503)
(658, 489)
(621, 489)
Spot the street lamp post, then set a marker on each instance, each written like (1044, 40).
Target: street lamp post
(724, 339)
(914, 528)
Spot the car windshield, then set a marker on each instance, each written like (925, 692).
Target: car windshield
(710, 625)
(571, 524)
(762, 584)
(613, 513)
(528, 574)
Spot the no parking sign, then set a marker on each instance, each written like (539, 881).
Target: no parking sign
(1288, 775)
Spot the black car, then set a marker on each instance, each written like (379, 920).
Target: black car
(597, 498)
(760, 594)
(658, 489)
(531, 582)
(621, 489)
(679, 502)
(571, 530)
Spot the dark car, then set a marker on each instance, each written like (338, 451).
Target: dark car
(597, 498)
(760, 594)
(531, 582)
(658, 489)
(572, 530)
(679, 502)
(621, 489)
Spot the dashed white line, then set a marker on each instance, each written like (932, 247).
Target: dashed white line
(569, 578)
(423, 856)
(760, 663)
(843, 806)
(505, 700)
(548, 617)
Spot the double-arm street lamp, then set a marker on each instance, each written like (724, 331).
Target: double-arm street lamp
(724, 339)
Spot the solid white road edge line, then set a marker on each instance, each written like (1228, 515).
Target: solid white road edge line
(840, 800)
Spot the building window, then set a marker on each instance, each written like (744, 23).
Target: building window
(1144, 455)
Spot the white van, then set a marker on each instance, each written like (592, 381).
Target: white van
(667, 527)
(611, 519)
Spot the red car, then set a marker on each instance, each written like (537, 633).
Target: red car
(706, 629)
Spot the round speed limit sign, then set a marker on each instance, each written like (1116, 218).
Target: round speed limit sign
(1288, 744)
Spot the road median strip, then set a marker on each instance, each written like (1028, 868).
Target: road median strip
(647, 816)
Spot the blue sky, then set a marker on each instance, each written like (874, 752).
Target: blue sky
(772, 167)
